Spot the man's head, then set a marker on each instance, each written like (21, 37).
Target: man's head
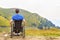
(17, 11)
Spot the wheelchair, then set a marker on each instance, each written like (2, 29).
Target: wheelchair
(17, 27)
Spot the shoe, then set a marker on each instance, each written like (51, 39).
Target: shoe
(18, 34)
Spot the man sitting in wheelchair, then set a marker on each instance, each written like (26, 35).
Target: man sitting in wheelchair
(17, 22)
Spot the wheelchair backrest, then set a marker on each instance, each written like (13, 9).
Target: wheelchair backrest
(17, 23)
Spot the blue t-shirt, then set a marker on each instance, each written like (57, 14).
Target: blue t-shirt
(17, 17)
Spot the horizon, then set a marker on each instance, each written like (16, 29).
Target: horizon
(48, 9)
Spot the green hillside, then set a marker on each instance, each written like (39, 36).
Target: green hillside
(4, 22)
(32, 19)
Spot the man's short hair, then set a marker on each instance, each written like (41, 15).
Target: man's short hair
(17, 10)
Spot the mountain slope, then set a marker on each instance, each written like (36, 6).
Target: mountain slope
(32, 19)
(4, 22)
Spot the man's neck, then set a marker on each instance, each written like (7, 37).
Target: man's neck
(17, 13)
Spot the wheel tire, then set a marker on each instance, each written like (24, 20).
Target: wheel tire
(23, 32)
(11, 32)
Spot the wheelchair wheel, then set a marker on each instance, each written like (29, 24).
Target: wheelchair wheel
(11, 31)
(23, 32)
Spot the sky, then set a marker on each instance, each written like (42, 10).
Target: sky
(49, 9)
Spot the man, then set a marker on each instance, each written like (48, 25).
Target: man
(17, 16)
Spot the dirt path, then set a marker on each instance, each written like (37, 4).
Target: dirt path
(4, 37)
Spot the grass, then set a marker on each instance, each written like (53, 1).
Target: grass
(36, 32)
(5, 29)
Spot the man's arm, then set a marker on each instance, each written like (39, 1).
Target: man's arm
(11, 21)
(24, 22)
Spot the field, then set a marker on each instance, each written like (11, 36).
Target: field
(35, 31)
(33, 34)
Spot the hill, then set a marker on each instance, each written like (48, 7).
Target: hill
(32, 19)
(4, 22)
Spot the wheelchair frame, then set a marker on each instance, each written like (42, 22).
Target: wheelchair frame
(18, 23)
